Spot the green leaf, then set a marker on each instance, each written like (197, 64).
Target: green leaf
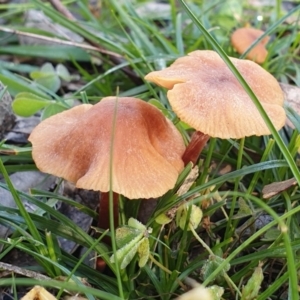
(196, 216)
(251, 289)
(63, 72)
(48, 68)
(212, 264)
(50, 81)
(51, 52)
(162, 219)
(244, 209)
(16, 84)
(45, 70)
(143, 252)
(125, 234)
(183, 216)
(27, 104)
(125, 254)
(52, 109)
(130, 255)
(132, 239)
(216, 292)
(136, 224)
(36, 74)
(271, 235)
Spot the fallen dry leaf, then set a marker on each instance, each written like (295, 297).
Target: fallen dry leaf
(275, 188)
(8, 269)
(188, 182)
(199, 292)
(38, 293)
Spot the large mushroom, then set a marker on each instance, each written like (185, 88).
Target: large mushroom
(77, 145)
(243, 38)
(205, 94)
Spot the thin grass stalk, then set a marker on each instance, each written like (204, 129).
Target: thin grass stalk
(51, 250)
(264, 157)
(79, 206)
(294, 147)
(9, 248)
(278, 8)
(111, 203)
(207, 161)
(231, 225)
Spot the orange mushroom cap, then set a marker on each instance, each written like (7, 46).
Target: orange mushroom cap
(204, 93)
(243, 38)
(76, 145)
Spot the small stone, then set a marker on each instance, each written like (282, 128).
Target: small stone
(22, 181)
(21, 130)
(7, 117)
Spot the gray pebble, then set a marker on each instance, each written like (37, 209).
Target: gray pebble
(7, 117)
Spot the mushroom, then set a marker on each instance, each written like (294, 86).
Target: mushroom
(243, 38)
(206, 95)
(77, 145)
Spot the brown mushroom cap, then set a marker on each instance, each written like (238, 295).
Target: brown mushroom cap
(242, 38)
(204, 93)
(76, 144)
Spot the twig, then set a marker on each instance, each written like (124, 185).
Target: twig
(59, 41)
(31, 274)
(62, 9)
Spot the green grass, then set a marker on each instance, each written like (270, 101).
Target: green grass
(136, 46)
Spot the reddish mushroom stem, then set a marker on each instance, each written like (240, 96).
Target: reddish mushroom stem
(195, 147)
(103, 221)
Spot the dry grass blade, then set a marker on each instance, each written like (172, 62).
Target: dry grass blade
(59, 41)
(275, 188)
(62, 9)
(8, 268)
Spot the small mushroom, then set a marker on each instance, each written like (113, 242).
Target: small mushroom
(205, 94)
(243, 38)
(77, 145)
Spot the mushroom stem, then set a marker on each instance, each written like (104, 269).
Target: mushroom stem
(103, 221)
(195, 147)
